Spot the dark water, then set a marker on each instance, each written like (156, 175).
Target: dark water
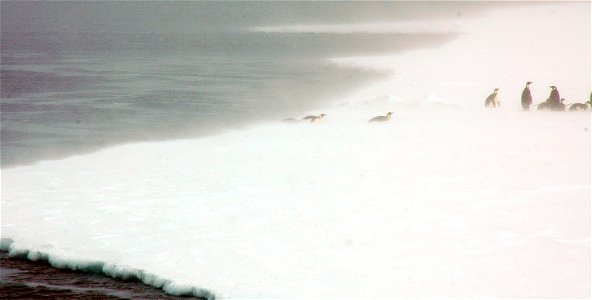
(24, 279)
(75, 98)
(68, 87)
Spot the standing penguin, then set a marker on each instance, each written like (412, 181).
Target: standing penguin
(526, 97)
(554, 99)
(493, 99)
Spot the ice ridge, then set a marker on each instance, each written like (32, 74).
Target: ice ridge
(111, 270)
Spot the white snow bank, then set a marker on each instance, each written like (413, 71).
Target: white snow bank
(69, 261)
(433, 204)
(548, 44)
(374, 27)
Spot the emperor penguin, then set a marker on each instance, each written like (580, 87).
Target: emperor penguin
(554, 99)
(493, 99)
(544, 106)
(561, 106)
(313, 119)
(580, 106)
(382, 118)
(526, 97)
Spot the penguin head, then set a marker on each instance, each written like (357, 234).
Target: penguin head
(496, 89)
(528, 83)
(389, 114)
(322, 115)
(553, 87)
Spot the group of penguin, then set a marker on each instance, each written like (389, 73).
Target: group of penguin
(554, 102)
(315, 119)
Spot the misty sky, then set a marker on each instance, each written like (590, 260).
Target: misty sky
(186, 17)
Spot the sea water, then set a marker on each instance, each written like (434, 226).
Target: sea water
(151, 86)
(69, 90)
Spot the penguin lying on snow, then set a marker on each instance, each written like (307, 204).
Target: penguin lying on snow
(580, 106)
(313, 119)
(381, 118)
(544, 106)
(552, 105)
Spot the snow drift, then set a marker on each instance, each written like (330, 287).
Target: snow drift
(432, 204)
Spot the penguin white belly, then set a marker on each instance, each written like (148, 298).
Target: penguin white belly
(496, 100)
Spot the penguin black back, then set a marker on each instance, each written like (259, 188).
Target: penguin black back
(554, 97)
(382, 118)
(313, 119)
(526, 97)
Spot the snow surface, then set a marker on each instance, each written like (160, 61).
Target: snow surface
(435, 203)
(546, 43)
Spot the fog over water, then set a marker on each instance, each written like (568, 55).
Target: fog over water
(191, 17)
(81, 75)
